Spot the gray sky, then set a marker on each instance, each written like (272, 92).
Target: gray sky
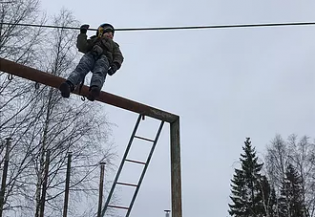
(225, 84)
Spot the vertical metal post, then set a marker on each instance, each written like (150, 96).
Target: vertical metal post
(176, 170)
(100, 199)
(67, 188)
(5, 174)
(44, 189)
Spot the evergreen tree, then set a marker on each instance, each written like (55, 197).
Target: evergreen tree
(291, 203)
(247, 186)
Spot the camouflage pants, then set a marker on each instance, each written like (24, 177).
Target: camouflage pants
(99, 68)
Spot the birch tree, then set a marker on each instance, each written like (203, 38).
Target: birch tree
(300, 153)
(39, 120)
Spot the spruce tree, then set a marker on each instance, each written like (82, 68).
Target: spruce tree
(247, 186)
(291, 203)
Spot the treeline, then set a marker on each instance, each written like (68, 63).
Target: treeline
(279, 184)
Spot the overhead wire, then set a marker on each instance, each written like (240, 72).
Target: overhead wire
(174, 27)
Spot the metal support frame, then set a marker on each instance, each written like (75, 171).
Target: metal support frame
(123, 103)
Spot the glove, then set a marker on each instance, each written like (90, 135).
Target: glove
(97, 51)
(113, 69)
(84, 28)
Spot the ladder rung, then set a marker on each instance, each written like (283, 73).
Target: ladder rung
(138, 137)
(118, 207)
(134, 161)
(128, 184)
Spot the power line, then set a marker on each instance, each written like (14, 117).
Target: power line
(175, 28)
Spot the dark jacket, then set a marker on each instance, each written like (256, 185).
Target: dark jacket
(110, 48)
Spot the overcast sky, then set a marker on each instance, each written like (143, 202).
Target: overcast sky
(225, 84)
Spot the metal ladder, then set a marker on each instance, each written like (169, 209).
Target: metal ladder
(124, 159)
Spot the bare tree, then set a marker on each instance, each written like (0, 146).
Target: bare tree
(302, 156)
(276, 161)
(18, 44)
(299, 153)
(39, 120)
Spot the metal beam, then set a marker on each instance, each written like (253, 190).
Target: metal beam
(54, 81)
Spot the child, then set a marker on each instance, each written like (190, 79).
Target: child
(102, 56)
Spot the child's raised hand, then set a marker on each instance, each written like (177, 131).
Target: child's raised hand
(84, 28)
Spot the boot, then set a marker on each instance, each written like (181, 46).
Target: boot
(94, 93)
(66, 88)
